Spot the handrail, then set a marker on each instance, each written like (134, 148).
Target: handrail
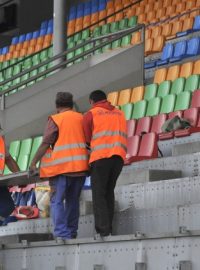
(88, 27)
(112, 37)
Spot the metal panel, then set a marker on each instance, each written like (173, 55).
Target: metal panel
(140, 266)
(185, 265)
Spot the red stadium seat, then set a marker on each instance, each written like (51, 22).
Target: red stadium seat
(132, 147)
(195, 99)
(157, 123)
(131, 125)
(143, 125)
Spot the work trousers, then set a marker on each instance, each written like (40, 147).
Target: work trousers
(64, 202)
(104, 174)
(6, 204)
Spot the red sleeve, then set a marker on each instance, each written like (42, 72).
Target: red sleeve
(50, 133)
(88, 126)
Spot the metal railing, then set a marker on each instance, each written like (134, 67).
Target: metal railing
(110, 38)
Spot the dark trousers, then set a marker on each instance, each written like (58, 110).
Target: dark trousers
(104, 174)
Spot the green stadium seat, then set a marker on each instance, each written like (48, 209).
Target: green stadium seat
(23, 78)
(123, 24)
(8, 73)
(164, 89)
(192, 83)
(177, 86)
(88, 47)
(168, 103)
(16, 69)
(105, 29)
(24, 154)
(13, 61)
(36, 59)
(116, 44)
(14, 151)
(77, 36)
(44, 55)
(150, 91)
(153, 107)
(106, 48)
(97, 31)
(27, 63)
(183, 101)
(32, 74)
(126, 41)
(85, 34)
(70, 39)
(114, 27)
(139, 109)
(78, 52)
(71, 45)
(5, 64)
(40, 70)
(36, 143)
(132, 21)
(50, 52)
(127, 109)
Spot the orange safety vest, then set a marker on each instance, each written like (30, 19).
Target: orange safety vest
(109, 135)
(2, 155)
(69, 153)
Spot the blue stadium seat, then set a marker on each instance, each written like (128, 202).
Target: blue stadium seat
(50, 23)
(5, 50)
(166, 54)
(15, 40)
(80, 10)
(22, 38)
(179, 51)
(36, 34)
(150, 64)
(43, 32)
(29, 36)
(72, 13)
(102, 5)
(196, 26)
(87, 8)
(44, 24)
(50, 30)
(193, 47)
(95, 6)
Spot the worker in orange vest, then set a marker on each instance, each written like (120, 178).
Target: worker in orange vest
(105, 132)
(64, 160)
(6, 202)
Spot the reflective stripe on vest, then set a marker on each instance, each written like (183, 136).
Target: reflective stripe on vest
(109, 133)
(66, 147)
(106, 146)
(63, 160)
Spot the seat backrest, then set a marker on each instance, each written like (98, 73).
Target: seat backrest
(133, 146)
(36, 143)
(157, 123)
(177, 86)
(168, 103)
(139, 109)
(182, 101)
(131, 126)
(124, 97)
(180, 49)
(127, 109)
(150, 91)
(188, 24)
(173, 73)
(137, 94)
(167, 29)
(196, 25)
(149, 146)
(156, 31)
(173, 114)
(14, 148)
(143, 125)
(186, 69)
(196, 69)
(158, 44)
(195, 103)
(164, 89)
(193, 46)
(167, 51)
(160, 75)
(192, 115)
(24, 154)
(113, 98)
(192, 83)
(153, 107)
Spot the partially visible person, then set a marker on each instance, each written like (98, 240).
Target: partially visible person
(6, 202)
(105, 132)
(64, 161)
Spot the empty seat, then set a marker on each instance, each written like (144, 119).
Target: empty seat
(139, 109)
(192, 83)
(160, 75)
(177, 86)
(24, 154)
(193, 47)
(173, 73)
(158, 122)
(196, 68)
(166, 54)
(186, 69)
(167, 29)
(182, 101)
(153, 107)
(196, 25)
(179, 51)
(113, 98)
(150, 91)
(132, 147)
(143, 125)
(14, 152)
(137, 94)
(124, 97)
(168, 103)
(127, 109)
(36, 143)
(164, 89)
(195, 103)
(131, 126)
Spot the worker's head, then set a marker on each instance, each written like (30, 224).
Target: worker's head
(64, 100)
(96, 96)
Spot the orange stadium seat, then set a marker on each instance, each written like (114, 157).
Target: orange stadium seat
(9, 56)
(2, 57)
(136, 38)
(151, 16)
(119, 16)
(158, 5)
(30, 50)
(148, 8)
(176, 27)
(142, 18)
(39, 41)
(186, 69)
(180, 7)
(139, 10)
(16, 54)
(87, 21)
(190, 4)
(137, 94)
(160, 13)
(167, 29)
(167, 3)
(187, 24)
(173, 73)
(156, 31)
(26, 44)
(196, 68)
(131, 12)
(124, 96)
(12, 48)
(158, 44)
(19, 46)
(22, 52)
(113, 98)
(148, 46)
(33, 42)
(160, 75)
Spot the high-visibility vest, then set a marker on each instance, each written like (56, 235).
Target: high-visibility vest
(2, 155)
(109, 136)
(69, 153)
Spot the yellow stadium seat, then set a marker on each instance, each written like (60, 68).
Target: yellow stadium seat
(196, 68)
(173, 73)
(166, 29)
(124, 96)
(156, 31)
(137, 94)
(186, 69)
(113, 98)
(160, 75)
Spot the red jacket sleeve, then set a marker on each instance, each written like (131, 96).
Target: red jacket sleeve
(88, 126)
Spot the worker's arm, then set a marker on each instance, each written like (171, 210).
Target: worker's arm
(12, 164)
(39, 154)
(88, 127)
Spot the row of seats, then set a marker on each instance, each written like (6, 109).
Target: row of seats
(119, 98)
(23, 152)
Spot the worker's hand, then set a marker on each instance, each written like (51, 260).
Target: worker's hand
(32, 170)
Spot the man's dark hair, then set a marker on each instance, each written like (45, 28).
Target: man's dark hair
(97, 95)
(64, 100)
